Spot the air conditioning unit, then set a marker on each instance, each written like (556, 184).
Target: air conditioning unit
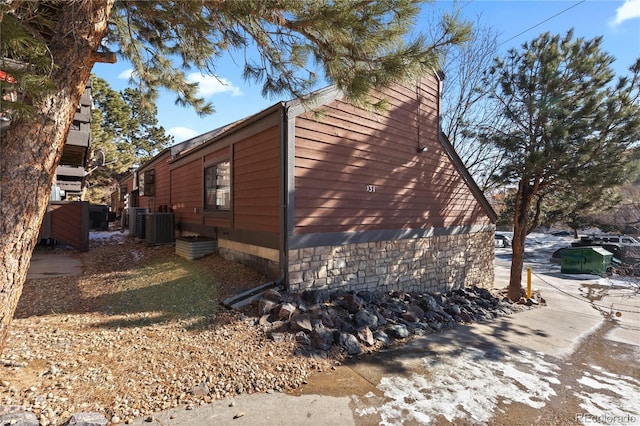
(136, 221)
(159, 228)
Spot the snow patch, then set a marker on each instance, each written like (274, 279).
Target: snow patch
(467, 387)
(108, 235)
(603, 394)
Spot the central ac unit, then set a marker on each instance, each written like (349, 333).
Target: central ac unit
(136, 221)
(159, 228)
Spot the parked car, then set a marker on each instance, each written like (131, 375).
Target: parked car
(563, 233)
(502, 240)
(617, 239)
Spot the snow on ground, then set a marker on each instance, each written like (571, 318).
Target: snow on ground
(538, 250)
(465, 387)
(604, 393)
(474, 385)
(108, 235)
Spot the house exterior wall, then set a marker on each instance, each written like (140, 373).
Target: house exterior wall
(256, 182)
(360, 171)
(67, 221)
(218, 219)
(431, 263)
(161, 196)
(122, 198)
(187, 193)
(339, 197)
(371, 212)
(249, 231)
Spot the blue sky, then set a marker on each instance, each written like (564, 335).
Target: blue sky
(517, 21)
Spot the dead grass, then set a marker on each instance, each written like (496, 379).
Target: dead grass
(135, 333)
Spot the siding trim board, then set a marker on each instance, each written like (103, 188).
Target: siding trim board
(342, 238)
(464, 172)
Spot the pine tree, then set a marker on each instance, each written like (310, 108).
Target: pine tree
(570, 125)
(143, 132)
(356, 45)
(123, 133)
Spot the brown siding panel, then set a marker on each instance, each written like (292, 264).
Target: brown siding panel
(186, 192)
(69, 222)
(338, 155)
(256, 182)
(163, 189)
(221, 154)
(161, 195)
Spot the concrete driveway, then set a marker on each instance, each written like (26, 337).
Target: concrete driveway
(575, 361)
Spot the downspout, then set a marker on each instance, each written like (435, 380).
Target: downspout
(284, 196)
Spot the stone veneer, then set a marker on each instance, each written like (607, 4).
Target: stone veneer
(435, 263)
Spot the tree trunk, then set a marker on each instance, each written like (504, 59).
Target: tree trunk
(30, 150)
(520, 227)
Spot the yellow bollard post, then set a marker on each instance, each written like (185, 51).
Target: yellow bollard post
(529, 282)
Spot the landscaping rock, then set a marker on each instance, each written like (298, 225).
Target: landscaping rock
(366, 336)
(350, 343)
(272, 295)
(352, 303)
(398, 331)
(316, 296)
(323, 338)
(87, 419)
(18, 418)
(303, 339)
(301, 322)
(265, 306)
(383, 337)
(365, 318)
(286, 311)
(321, 319)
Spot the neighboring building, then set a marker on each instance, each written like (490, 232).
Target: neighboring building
(70, 173)
(68, 219)
(63, 221)
(121, 196)
(333, 196)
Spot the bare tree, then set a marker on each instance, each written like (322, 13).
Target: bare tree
(464, 105)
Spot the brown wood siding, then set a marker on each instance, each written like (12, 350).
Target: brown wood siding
(162, 194)
(186, 192)
(163, 188)
(256, 182)
(68, 222)
(347, 148)
(223, 153)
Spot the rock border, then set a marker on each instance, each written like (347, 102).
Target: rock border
(364, 321)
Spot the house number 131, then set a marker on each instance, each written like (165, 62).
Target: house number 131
(371, 188)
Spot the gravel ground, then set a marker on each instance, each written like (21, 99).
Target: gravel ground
(141, 330)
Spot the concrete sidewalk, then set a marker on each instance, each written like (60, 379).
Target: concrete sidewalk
(537, 366)
(53, 265)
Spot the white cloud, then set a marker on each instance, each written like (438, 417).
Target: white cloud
(210, 85)
(182, 133)
(126, 74)
(629, 10)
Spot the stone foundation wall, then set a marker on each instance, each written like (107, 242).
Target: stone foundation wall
(435, 263)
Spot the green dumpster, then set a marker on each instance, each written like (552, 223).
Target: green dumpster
(585, 260)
